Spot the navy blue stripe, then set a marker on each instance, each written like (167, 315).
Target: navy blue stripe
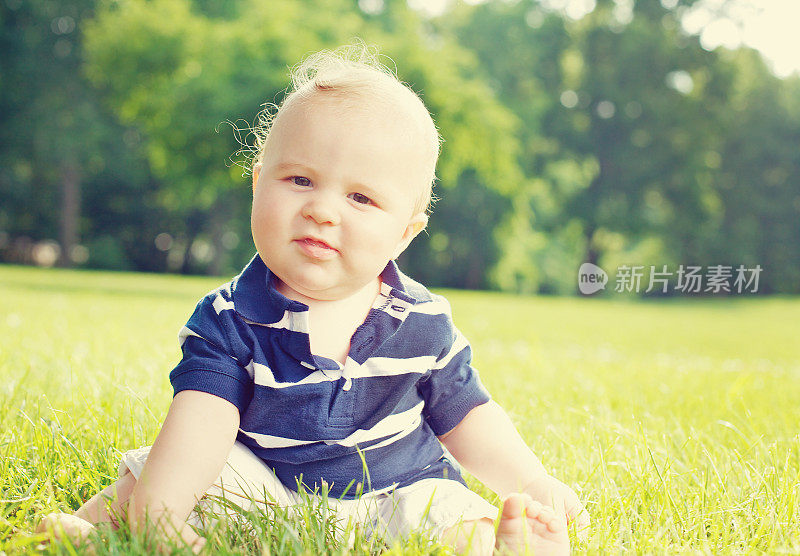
(336, 408)
(411, 459)
(298, 412)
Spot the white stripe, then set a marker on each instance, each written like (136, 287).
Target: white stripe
(270, 441)
(392, 305)
(389, 366)
(394, 426)
(458, 346)
(185, 332)
(220, 304)
(398, 308)
(296, 321)
(396, 437)
(435, 307)
(391, 425)
(262, 375)
(374, 366)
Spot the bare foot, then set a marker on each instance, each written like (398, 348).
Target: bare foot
(528, 527)
(61, 526)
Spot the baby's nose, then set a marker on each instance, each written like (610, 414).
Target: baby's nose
(321, 211)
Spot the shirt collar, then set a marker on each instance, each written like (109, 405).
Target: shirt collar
(392, 277)
(256, 298)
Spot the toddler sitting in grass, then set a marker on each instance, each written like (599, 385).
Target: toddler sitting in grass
(323, 367)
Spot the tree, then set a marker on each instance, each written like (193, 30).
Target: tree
(175, 70)
(757, 176)
(61, 148)
(615, 132)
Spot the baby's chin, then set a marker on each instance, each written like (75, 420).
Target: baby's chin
(310, 292)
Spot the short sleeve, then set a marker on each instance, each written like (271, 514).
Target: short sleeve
(209, 363)
(452, 388)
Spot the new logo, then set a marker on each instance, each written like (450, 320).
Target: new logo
(591, 279)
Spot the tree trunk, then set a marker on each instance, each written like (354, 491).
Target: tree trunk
(193, 228)
(592, 255)
(475, 270)
(591, 202)
(70, 211)
(220, 216)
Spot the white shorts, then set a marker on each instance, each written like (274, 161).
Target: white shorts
(430, 506)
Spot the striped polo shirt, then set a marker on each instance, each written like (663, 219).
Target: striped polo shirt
(368, 425)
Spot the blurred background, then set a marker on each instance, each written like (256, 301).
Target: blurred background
(607, 131)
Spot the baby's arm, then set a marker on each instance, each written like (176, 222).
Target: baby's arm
(488, 445)
(186, 457)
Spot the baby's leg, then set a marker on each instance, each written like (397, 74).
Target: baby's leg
(110, 504)
(107, 506)
(528, 527)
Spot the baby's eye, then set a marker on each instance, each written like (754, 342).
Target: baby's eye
(361, 199)
(301, 181)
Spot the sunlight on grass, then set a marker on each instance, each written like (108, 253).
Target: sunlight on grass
(677, 421)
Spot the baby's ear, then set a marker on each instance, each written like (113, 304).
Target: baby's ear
(415, 226)
(256, 172)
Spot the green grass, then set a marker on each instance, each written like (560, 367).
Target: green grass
(678, 421)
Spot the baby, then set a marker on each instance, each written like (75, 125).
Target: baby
(322, 366)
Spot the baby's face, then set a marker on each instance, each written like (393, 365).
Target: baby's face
(334, 198)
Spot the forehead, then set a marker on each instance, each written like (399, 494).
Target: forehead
(366, 143)
(367, 124)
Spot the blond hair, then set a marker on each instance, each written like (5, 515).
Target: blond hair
(354, 75)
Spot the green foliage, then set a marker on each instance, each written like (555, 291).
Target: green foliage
(176, 73)
(52, 126)
(605, 132)
(676, 421)
(757, 174)
(598, 139)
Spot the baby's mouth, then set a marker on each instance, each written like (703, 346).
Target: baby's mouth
(316, 248)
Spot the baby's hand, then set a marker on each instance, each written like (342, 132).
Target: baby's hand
(551, 492)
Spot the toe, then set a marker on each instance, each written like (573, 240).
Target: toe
(60, 525)
(513, 506)
(548, 517)
(533, 508)
(52, 522)
(45, 524)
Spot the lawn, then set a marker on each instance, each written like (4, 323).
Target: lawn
(678, 421)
